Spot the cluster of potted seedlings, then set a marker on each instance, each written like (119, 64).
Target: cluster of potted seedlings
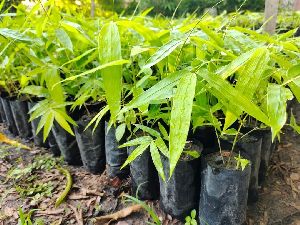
(189, 110)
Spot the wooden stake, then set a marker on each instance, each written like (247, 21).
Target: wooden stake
(271, 11)
(297, 5)
(93, 8)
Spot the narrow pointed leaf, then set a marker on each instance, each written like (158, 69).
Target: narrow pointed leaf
(110, 50)
(180, 117)
(64, 39)
(137, 141)
(249, 78)
(232, 98)
(277, 97)
(148, 130)
(161, 145)
(156, 91)
(63, 122)
(162, 53)
(48, 125)
(136, 152)
(157, 160)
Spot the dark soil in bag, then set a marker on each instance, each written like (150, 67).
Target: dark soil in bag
(54, 149)
(91, 145)
(20, 113)
(144, 177)
(67, 145)
(9, 116)
(180, 194)
(224, 191)
(115, 157)
(2, 114)
(207, 136)
(266, 136)
(250, 146)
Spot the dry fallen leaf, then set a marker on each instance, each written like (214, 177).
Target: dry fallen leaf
(122, 223)
(6, 140)
(78, 197)
(106, 220)
(50, 212)
(78, 214)
(57, 222)
(116, 182)
(295, 176)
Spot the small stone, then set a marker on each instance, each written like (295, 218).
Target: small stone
(295, 176)
(276, 193)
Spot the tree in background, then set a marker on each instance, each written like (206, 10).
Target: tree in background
(9, 4)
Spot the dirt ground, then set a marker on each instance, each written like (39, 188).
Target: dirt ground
(30, 180)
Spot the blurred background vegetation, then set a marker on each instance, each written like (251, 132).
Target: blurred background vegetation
(163, 7)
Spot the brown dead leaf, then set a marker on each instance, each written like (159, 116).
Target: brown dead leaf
(265, 219)
(78, 197)
(295, 176)
(226, 153)
(78, 214)
(115, 182)
(106, 220)
(287, 145)
(6, 140)
(122, 223)
(91, 192)
(8, 211)
(50, 212)
(295, 205)
(57, 222)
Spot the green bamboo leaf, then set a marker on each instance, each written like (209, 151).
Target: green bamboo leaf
(232, 98)
(236, 64)
(97, 118)
(180, 117)
(136, 152)
(60, 119)
(101, 67)
(148, 130)
(157, 160)
(64, 39)
(38, 109)
(34, 90)
(110, 50)
(162, 53)
(161, 145)
(77, 32)
(200, 42)
(120, 130)
(88, 52)
(156, 91)
(52, 79)
(163, 131)
(48, 125)
(15, 35)
(277, 97)
(292, 79)
(146, 32)
(249, 79)
(137, 141)
(213, 35)
(43, 121)
(294, 124)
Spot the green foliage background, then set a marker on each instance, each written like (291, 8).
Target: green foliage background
(167, 7)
